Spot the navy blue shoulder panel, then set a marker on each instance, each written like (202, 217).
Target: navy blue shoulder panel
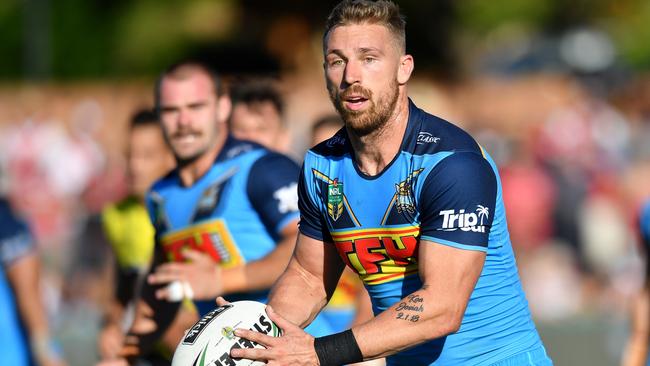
(234, 147)
(272, 189)
(337, 145)
(428, 134)
(15, 237)
(458, 200)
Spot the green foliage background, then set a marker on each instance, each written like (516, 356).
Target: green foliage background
(82, 39)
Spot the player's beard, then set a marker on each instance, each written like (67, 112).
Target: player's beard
(372, 119)
(187, 158)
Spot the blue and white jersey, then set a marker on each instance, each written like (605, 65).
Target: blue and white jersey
(235, 212)
(15, 242)
(441, 187)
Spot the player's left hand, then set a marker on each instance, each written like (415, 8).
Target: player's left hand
(197, 278)
(294, 347)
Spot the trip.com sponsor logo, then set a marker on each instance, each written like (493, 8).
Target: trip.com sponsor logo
(465, 221)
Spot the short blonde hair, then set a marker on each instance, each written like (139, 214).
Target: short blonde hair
(381, 12)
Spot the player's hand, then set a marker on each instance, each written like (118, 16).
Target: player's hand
(294, 347)
(197, 278)
(221, 301)
(109, 341)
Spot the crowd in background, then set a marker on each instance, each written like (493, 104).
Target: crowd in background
(574, 163)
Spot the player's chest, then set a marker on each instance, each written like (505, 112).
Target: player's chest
(210, 198)
(348, 200)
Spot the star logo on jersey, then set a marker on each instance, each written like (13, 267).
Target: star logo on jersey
(335, 199)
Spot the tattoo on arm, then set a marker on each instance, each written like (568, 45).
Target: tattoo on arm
(410, 308)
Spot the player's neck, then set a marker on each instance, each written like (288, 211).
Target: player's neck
(192, 171)
(375, 151)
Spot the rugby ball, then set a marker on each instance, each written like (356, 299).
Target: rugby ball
(209, 341)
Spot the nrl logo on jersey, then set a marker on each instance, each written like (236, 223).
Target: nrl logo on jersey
(335, 199)
(465, 221)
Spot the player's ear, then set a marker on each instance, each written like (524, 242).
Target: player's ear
(405, 68)
(224, 104)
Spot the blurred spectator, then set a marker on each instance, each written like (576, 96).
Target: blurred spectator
(24, 327)
(257, 114)
(49, 167)
(131, 235)
(529, 197)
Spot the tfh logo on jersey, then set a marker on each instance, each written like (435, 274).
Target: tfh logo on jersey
(465, 221)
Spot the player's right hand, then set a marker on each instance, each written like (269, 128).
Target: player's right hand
(294, 347)
(221, 301)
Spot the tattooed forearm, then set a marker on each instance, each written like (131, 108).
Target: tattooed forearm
(410, 308)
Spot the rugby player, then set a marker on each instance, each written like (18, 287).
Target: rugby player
(225, 219)
(413, 205)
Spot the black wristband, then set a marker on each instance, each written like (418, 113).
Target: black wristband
(337, 349)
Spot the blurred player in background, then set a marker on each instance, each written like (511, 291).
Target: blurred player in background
(257, 114)
(225, 218)
(24, 334)
(131, 235)
(636, 352)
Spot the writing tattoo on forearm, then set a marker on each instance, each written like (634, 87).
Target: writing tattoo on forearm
(409, 308)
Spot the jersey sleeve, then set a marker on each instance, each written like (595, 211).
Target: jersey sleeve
(16, 240)
(272, 189)
(312, 223)
(457, 202)
(644, 225)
